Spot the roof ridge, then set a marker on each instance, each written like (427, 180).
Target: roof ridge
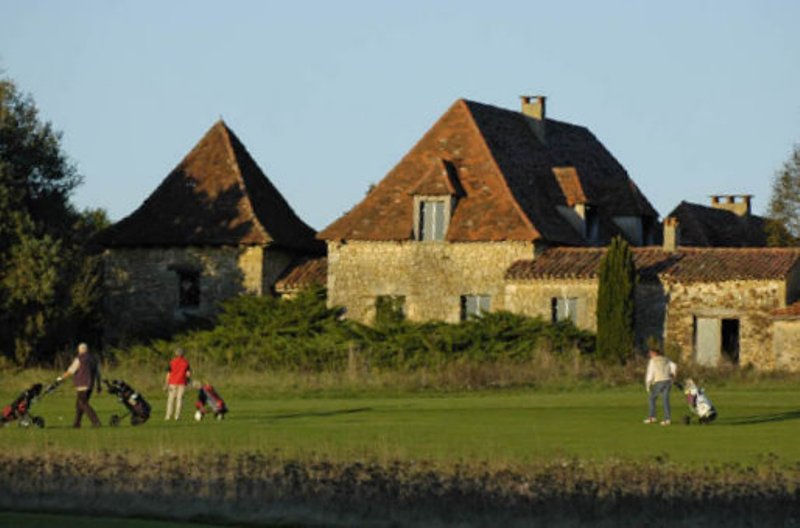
(496, 165)
(240, 179)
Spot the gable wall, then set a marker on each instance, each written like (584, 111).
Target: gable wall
(431, 275)
(534, 299)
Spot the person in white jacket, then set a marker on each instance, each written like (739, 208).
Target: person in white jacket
(658, 382)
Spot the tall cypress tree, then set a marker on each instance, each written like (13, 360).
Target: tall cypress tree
(615, 302)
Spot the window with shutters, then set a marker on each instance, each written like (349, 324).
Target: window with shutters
(474, 306)
(564, 309)
(432, 220)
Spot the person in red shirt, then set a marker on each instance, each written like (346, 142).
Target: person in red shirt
(178, 375)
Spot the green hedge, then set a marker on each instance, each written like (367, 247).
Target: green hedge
(302, 333)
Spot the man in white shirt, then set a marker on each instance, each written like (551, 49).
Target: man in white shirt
(658, 382)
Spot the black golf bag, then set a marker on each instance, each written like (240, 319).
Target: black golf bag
(135, 404)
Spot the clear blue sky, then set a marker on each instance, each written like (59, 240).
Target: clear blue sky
(693, 97)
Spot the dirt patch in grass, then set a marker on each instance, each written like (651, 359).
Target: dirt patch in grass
(255, 489)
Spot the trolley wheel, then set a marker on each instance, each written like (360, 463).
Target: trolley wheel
(220, 416)
(114, 421)
(38, 421)
(687, 419)
(25, 421)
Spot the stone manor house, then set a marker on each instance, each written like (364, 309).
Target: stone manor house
(492, 209)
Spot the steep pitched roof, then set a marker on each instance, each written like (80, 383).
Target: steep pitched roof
(437, 181)
(510, 191)
(217, 195)
(685, 265)
(705, 226)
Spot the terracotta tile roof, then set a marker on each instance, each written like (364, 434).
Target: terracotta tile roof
(437, 181)
(584, 263)
(789, 312)
(303, 273)
(721, 264)
(217, 195)
(510, 191)
(705, 226)
(685, 265)
(570, 184)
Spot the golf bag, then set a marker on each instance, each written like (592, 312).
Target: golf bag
(208, 400)
(699, 403)
(19, 409)
(135, 404)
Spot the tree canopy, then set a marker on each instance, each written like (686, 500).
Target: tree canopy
(49, 287)
(784, 205)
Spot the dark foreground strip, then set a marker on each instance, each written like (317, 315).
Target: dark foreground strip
(254, 489)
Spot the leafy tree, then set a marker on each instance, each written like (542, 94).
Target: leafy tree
(615, 302)
(783, 229)
(49, 282)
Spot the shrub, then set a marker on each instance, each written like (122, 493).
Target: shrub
(304, 334)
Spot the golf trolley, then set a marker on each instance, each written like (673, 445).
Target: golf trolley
(135, 404)
(19, 409)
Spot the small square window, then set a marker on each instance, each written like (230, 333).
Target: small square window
(474, 306)
(564, 309)
(188, 289)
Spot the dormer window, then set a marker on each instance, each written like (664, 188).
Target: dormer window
(432, 218)
(434, 199)
(576, 209)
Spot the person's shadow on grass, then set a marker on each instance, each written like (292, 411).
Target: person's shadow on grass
(336, 412)
(762, 418)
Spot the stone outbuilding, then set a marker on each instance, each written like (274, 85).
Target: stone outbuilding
(707, 305)
(483, 188)
(216, 227)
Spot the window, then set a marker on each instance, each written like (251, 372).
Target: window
(188, 289)
(474, 305)
(389, 309)
(432, 220)
(564, 309)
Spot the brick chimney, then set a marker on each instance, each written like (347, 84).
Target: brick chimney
(672, 234)
(533, 106)
(739, 204)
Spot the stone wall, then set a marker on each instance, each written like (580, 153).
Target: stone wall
(786, 344)
(141, 284)
(748, 301)
(534, 298)
(431, 275)
(651, 310)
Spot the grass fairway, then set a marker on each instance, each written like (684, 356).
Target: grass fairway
(492, 427)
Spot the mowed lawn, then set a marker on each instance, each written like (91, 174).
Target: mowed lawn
(495, 427)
